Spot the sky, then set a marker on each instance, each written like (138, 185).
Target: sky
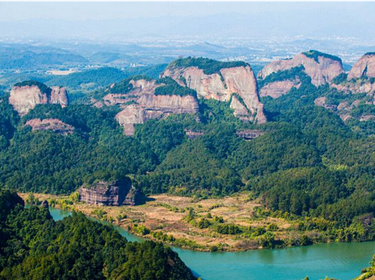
(209, 20)
(14, 11)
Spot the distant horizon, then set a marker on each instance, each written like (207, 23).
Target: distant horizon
(122, 20)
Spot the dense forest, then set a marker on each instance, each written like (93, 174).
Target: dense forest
(308, 163)
(34, 246)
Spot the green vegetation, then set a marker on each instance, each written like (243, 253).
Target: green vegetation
(209, 66)
(315, 55)
(290, 74)
(171, 87)
(43, 88)
(33, 246)
(308, 165)
(88, 80)
(340, 78)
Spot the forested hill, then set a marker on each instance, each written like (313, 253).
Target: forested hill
(33, 246)
(306, 161)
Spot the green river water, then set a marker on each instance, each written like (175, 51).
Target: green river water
(343, 261)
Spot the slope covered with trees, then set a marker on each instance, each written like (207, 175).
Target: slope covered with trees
(308, 162)
(34, 246)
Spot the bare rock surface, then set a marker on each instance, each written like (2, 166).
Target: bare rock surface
(55, 125)
(141, 104)
(364, 67)
(321, 70)
(116, 193)
(221, 86)
(25, 98)
(279, 88)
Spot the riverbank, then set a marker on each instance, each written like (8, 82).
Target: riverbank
(233, 223)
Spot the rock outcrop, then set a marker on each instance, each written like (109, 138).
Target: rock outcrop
(354, 87)
(26, 95)
(320, 67)
(50, 124)
(221, 85)
(364, 67)
(250, 134)
(116, 193)
(141, 103)
(279, 88)
(361, 78)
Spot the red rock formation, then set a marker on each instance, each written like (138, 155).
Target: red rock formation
(364, 67)
(355, 87)
(221, 86)
(111, 193)
(320, 72)
(322, 102)
(279, 88)
(141, 104)
(59, 95)
(25, 98)
(50, 124)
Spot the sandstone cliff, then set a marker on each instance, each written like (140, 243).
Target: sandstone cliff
(141, 103)
(361, 78)
(279, 88)
(221, 84)
(355, 87)
(26, 95)
(50, 124)
(116, 193)
(365, 67)
(320, 67)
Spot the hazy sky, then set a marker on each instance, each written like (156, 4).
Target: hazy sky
(136, 20)
(121, 10)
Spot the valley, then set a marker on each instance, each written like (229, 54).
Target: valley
(226, 160)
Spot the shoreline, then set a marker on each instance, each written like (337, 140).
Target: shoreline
(160, 220)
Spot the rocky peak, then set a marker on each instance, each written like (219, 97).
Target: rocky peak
(26, 95)
(55, 125)
(220, 80)
(320, 67)
(364, 67)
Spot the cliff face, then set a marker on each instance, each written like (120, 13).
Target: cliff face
(141, 104)
(279, 88)
(354, 87)
(221, 86)
(321, 68)
(50, 124)
(365, 67)
(361, 79)
(111, 193)
(25, 98)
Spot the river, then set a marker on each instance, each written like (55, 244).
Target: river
(343, 261)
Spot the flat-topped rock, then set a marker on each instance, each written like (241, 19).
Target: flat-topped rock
(26, 95)
(50, 124)
(120, 192)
